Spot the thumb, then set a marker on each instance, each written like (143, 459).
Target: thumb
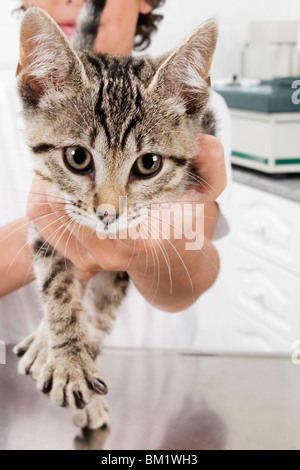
(210, 169)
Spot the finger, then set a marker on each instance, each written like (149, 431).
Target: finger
(210, 168)
(37, 202)
(57, 230)
(56, 227)
(41, 202)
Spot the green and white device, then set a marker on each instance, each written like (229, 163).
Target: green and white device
(265, 124)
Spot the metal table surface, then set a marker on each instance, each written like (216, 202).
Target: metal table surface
(164, 401)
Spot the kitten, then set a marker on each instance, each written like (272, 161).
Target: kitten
(100, 127)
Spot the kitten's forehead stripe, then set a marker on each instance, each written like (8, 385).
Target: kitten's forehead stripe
(93, 136)
(138, 68)
(95, 62)
(100, 96)
(132, 124)
(103, 120)
(119, 98)
(138, 98)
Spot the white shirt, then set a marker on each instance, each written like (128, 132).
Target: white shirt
(138, 324)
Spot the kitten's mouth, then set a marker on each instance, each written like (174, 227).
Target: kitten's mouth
(68, 28)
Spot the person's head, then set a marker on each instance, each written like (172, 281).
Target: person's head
(124, 23)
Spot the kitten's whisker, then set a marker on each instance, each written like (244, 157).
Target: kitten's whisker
(146, 251)
(200, 183)
(66, 246)
(82, 240)
(183, 263)
(42, 203)
(79, 227)
(201, 180)
(180, 209)
(28, 223)
(46, 242)
(170, 132)
(56, 245)
(154, 262)
(168, 263)
(182, 232)
(16, 256)
(167, 260)
(53, 252)
(158, 271)
(134, 243)
(36, 194)
(185, 235)
(28, 204)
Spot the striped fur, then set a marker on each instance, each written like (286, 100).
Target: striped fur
(118, 109)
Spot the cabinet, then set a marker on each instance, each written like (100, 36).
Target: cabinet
(255, 305)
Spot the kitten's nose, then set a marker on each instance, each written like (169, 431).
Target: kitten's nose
(107, 218)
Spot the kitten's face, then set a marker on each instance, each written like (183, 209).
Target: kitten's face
(110, 135)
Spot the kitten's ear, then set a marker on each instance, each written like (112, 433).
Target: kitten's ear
(47, 60)
(185, 73)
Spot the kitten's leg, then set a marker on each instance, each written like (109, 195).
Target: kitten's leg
(106, 292)
(70, 375)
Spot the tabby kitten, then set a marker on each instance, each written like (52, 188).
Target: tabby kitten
(101, 127)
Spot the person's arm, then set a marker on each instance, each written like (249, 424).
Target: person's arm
(202, 265)
(16, 268)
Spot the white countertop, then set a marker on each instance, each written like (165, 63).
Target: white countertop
(164, 401)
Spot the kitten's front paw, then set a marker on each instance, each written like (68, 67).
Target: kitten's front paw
(71, 380)
(94, 416)
(33, 353)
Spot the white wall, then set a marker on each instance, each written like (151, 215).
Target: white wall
(9, 34)
(181, 17)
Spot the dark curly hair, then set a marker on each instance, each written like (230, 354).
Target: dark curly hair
(146, 26)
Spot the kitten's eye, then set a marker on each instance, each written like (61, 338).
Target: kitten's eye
(78, 159)
(147, 165)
